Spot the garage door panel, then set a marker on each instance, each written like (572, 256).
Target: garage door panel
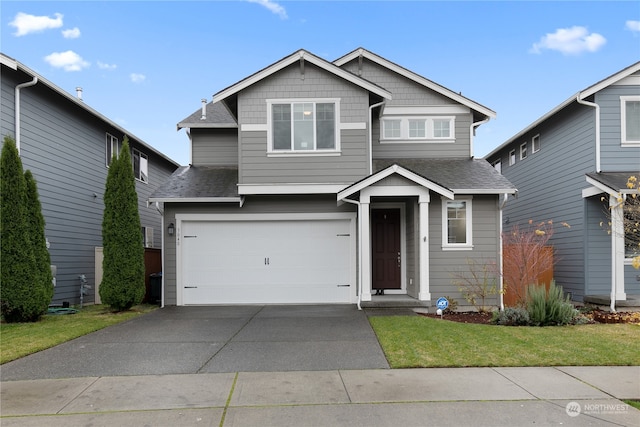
(228, 262)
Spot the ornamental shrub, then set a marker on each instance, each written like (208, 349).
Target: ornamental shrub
(549, 307)
(19, 298)
(123, 264)
(511, 316)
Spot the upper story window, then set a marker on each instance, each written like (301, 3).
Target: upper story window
(140, 166)
(512, 157)
(418, 129)
(303, 126)
(523, 151)
(630, 120)
(497, 165)
(456, 224)
(112, 148)
(535, 144)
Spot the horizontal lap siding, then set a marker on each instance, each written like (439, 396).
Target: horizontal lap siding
(444, 264)
(64, 147)
(615, 157)
(214, 147)
(258, 168)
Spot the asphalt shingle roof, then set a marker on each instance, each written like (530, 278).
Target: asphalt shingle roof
(216, 115)
(616, 181)
(453, 173)
(189, 182)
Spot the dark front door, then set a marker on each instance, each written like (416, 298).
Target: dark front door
(385, 242)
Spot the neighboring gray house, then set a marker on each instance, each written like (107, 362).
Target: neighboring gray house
(329, 182)
(67, 146)
(563, 164)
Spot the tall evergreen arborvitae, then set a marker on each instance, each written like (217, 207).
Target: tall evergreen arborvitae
(35, 224)
(123, 263)
(18, 272)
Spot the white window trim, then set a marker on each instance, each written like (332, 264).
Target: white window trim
(512, 157)
(623, 121)
(523, 151)
(533, 144)
(497, 165)
(141, 154)
(271, 152)
(446, 246)
(110, 139)
(429, 130)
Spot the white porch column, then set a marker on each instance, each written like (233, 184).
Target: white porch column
(423, 247)
(365, 267)
(617, 251)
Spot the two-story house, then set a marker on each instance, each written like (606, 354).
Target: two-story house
(311, 181)
(68, 145)
(572, 164)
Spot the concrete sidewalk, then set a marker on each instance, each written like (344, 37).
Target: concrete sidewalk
(571, 396)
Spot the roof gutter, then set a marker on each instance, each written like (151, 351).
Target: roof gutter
(580, 100)
(472, 133)
(17, 109)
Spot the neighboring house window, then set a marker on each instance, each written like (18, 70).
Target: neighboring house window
(147, 237)
(112, 148)
(523, 151)
(535, 144)
(418, 129)
(304, 126)
(630, 120)
(391, 129)
(140, 166)
(456, 224)
(512, 157)
(498, 165)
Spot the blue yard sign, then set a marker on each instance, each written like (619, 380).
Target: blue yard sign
(442, 303)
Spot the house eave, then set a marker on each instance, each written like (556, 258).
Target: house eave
(485, 191)
(300, 188)
(196, 199)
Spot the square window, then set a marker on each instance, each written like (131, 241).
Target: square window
(441, 128)
(391, 129)
(417, 129)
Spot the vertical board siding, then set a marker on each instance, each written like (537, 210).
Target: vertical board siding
(350, 165)
(64, 147)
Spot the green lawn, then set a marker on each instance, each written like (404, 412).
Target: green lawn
(20, 339)
(417, 341)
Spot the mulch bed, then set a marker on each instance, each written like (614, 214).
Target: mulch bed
(597, 316)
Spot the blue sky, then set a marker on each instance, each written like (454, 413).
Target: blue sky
(147, 64)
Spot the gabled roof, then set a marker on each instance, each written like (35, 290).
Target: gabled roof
(199, 184)
(461, 175)
(416, 78)
(216, 116)
(300, 55)
(15, 65)
(583, 94)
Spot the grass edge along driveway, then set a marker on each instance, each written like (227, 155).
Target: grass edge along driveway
(421, 342)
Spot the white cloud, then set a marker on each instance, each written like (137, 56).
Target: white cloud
(634, 26)
(73, 33)
(137, 78)
(27, 24)
(104, 66)
(272, 6)
(570, 41)
(68, 61)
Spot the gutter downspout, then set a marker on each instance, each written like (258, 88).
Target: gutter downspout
(359, 248)
(370, 134)
(162, 252)
(17, 109)
(472, 133)
(501, 251)
(579, 100)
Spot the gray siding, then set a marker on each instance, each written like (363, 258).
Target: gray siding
(214, 147)
(64, 147)
(253, 205)
(597, 248)
(443, 264)
(614, 157)
(256, 167)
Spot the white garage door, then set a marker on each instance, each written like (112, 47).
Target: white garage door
(300, 261)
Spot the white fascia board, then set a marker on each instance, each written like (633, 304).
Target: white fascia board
(610, 80)
(196, 199)
(416, 78)
(408, 110)
(8, 62)
(400, 171)
(603, 188)
(247, 189)
(182, 125)
(291, 59)
(485, 191)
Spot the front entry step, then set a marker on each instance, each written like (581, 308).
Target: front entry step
(394, 301)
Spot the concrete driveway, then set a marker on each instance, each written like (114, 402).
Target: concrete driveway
(190, 340)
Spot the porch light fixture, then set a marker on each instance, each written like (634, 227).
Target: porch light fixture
(171, 229)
